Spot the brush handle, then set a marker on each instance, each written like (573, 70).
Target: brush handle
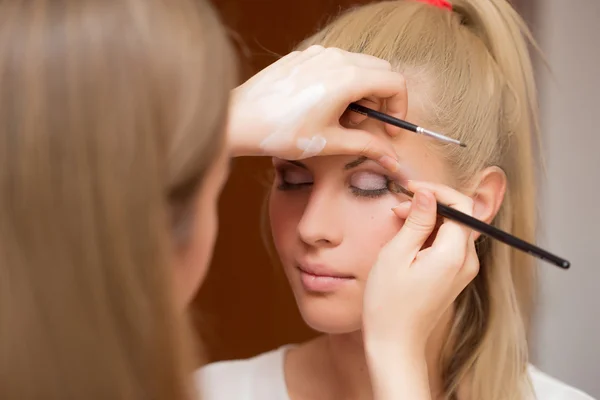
(492, 231)
(487, 229)
(388, 119)
(383, 117)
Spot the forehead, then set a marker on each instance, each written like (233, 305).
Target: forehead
(419, 156)
(417, 153)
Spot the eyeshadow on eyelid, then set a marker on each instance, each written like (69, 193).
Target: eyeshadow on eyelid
(368, 181)
(404, 172)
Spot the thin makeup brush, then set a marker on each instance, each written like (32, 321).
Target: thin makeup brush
(357, 108)
(489, 230)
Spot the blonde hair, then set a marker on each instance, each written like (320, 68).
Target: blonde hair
(111, 114)
(472, 68)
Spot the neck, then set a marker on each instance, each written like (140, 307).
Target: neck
(347, 366)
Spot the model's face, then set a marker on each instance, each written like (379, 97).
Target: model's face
(330, 216)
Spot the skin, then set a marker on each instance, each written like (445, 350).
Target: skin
(257, 111)
(194, 259)
(321, 221)
(403, 282)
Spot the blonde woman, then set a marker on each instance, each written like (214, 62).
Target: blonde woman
(114, 145)
(468, 73)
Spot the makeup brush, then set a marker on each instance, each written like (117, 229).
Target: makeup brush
(388, 119)
(488, 230)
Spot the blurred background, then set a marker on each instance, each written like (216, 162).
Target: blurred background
(245, 306)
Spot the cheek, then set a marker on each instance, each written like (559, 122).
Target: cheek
(205, 234)
(196, 249)
(285, 213)
(371, 226)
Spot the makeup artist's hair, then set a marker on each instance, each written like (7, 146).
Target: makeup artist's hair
(473, 73)
(111, 114)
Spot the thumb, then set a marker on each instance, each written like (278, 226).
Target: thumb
(418, 226)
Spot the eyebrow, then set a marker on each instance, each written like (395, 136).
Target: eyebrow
(350, 165)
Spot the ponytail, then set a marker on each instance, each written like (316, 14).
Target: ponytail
(509, 274)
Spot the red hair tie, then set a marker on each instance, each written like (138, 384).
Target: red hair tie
(438, 3)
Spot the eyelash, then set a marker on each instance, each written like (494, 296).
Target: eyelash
(361, 193)
(372, 194)
(291, 186)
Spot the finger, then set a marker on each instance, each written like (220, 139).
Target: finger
(451, 237)
(342, 141)
(402, 210)
(287, 59)
(339, 57)
(359, 83)
(352, 119)
(287, 65)
(416, 229)
(281, 63)
(445, 195)
(470, 268)
(305, 55)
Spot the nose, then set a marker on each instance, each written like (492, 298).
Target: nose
(321, 224)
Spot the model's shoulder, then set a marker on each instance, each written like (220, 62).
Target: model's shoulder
(549, 388)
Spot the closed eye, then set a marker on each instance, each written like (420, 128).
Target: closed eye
(369, 184)
(293, 178)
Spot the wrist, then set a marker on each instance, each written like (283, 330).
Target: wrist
(236, 147)
(398, 371)
(243, 134)
(406, 339)
(393, 350)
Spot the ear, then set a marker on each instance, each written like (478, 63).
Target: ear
(488, 194)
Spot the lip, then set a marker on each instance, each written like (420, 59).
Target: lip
(321, 270)
(321, 279)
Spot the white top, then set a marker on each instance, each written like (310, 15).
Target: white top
(262, 378)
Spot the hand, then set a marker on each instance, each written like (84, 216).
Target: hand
(410, 287)
(292, 109)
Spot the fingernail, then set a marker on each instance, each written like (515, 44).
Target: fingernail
(411, 184)
(389, 163)
(404, 204)
(423, 200)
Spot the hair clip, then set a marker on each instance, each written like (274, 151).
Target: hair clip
(438, 3)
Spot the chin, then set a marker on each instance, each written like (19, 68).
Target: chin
(329, 313)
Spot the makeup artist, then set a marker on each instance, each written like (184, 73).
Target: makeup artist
(114, 146)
